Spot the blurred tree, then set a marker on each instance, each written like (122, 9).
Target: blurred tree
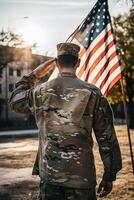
(124, 31)
(10, 39)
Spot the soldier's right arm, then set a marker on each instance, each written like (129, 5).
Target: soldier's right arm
(21, 99)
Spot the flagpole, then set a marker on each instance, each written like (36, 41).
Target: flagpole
(127, 124)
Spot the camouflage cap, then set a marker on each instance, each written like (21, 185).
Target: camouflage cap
(68, 49)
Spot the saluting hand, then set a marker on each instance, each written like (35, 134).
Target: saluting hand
(104, 188)
(44, 68)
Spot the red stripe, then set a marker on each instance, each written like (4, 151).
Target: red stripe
(98, 59)
(109, 73)
(82, 52)
(102, 41)
(113, 55)
(116, 79)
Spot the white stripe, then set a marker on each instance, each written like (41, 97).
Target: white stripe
(110, 79)
(97, 54)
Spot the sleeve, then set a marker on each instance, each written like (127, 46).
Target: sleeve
(107, 140)
(22, 97)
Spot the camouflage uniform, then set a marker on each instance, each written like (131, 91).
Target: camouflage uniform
(66, 110)
(52, 192)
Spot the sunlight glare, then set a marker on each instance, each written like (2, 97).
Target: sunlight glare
(32, 33)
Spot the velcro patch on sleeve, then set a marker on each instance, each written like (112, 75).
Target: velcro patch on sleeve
(20, 97)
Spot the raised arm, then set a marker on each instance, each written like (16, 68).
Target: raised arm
(21, 100)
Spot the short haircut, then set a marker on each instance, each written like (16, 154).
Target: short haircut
(67, 60)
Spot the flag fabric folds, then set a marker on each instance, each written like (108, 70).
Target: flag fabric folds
(100, 64)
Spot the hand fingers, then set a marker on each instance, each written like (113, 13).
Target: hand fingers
(100, 188)
(104, 193)
(104, 189)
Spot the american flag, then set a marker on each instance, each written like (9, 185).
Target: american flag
(100, 64)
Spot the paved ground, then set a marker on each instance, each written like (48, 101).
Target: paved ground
(17, 157)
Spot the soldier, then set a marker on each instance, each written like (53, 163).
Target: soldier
(66, 110)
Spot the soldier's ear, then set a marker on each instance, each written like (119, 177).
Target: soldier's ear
(78, 63)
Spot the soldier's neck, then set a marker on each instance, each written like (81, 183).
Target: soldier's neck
(68, 70)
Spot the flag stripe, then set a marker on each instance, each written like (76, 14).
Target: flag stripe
(110, 80)
(109, 74)
(101, 64)
(98, 59)
(114, 81)
(97, 54)
(103, 67)
(89, 53)
(104, 74)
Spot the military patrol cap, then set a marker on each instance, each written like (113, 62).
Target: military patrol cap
(68, 49)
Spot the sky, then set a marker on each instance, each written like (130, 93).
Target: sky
(49, 22)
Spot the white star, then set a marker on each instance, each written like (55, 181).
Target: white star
(91, 38)
(97, 31)
(103, 16)
(92, 31)
(92, 24)
(97, 24)
(98, 10)
(104, 3)
(86, 39)
(98, 16)
(104, 10)
(103, 23)
(107, 17)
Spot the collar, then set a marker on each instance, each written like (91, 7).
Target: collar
(67, 74)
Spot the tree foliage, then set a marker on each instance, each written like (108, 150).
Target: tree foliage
(124, 32)
(12, 39)
(9, 38)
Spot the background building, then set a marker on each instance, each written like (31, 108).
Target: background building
(14, 63)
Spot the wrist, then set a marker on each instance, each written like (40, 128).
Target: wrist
(109, 176)
(33, 77)
(36, 75)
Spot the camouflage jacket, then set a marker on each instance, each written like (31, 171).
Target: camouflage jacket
(66, 110)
